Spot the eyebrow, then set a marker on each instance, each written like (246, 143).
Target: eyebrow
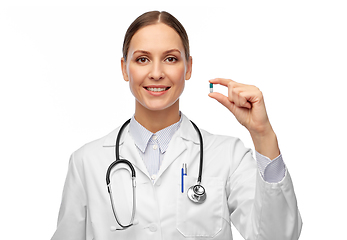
(166, 52)
(141, 51)
(172, 50)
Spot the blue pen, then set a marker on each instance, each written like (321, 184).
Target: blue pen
(183, 173)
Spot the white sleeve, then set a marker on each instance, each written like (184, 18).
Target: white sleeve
(72, 214)
(258, 209)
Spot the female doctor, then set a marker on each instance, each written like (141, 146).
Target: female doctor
(163, 147)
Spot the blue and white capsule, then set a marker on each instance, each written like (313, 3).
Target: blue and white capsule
(211, 87)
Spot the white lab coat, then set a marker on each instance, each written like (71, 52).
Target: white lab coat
(235, 191)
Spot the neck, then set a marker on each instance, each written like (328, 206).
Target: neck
(155, 121)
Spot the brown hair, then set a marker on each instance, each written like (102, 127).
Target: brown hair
(153, 17)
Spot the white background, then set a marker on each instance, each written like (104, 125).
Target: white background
(61, 86)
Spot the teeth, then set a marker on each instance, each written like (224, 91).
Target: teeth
(156, 89)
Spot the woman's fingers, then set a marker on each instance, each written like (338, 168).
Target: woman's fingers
(221, 81)
(237, 92)
(245, 102)
(239, 97)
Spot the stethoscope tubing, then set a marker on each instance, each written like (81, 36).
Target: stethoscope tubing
(133, 177)
(133, 210)
(118, 138)
(108, 173)
(201, 153)
(194, 195)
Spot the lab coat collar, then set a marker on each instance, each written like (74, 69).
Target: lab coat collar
(186, 131)
(128, 150)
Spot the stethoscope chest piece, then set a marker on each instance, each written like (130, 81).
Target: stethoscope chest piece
(197, 193)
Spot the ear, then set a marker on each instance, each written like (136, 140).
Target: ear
(189, 68)
(124, 70)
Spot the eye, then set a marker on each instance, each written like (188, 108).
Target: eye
(142, 60)
(171, 59)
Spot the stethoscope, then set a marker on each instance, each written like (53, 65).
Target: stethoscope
(196, 193)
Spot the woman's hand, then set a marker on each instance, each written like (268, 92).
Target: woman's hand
(246, 102)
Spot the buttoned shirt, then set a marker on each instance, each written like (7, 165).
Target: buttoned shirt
(152, 148)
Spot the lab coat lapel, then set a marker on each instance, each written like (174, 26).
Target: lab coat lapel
(128, 151)
(177, 144)
(175, 149)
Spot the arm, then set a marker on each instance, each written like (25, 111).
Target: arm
(72, 214)
(259, 209)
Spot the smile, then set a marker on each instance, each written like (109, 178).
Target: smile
(157, 89)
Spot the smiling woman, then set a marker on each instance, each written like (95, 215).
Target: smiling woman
(256, 196)
(156, 70)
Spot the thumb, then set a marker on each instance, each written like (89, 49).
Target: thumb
(223, 100)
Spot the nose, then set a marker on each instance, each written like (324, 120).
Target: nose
(156, 72)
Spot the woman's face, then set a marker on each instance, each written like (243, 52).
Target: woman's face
(156, 67)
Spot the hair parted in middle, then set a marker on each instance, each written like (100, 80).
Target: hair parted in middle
(154, 17)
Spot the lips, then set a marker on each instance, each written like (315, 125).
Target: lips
(160, 88)
(157, 90)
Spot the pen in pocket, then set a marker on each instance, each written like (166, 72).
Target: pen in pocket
(183, 173)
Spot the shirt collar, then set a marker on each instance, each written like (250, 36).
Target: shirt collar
(142, 136)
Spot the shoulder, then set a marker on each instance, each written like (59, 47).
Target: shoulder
(96, 147)
(234, 144)
(227, 151)
(213, 141)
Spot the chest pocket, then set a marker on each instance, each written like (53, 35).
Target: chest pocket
(200, 220)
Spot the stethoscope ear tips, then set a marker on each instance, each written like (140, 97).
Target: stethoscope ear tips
(197, 194)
